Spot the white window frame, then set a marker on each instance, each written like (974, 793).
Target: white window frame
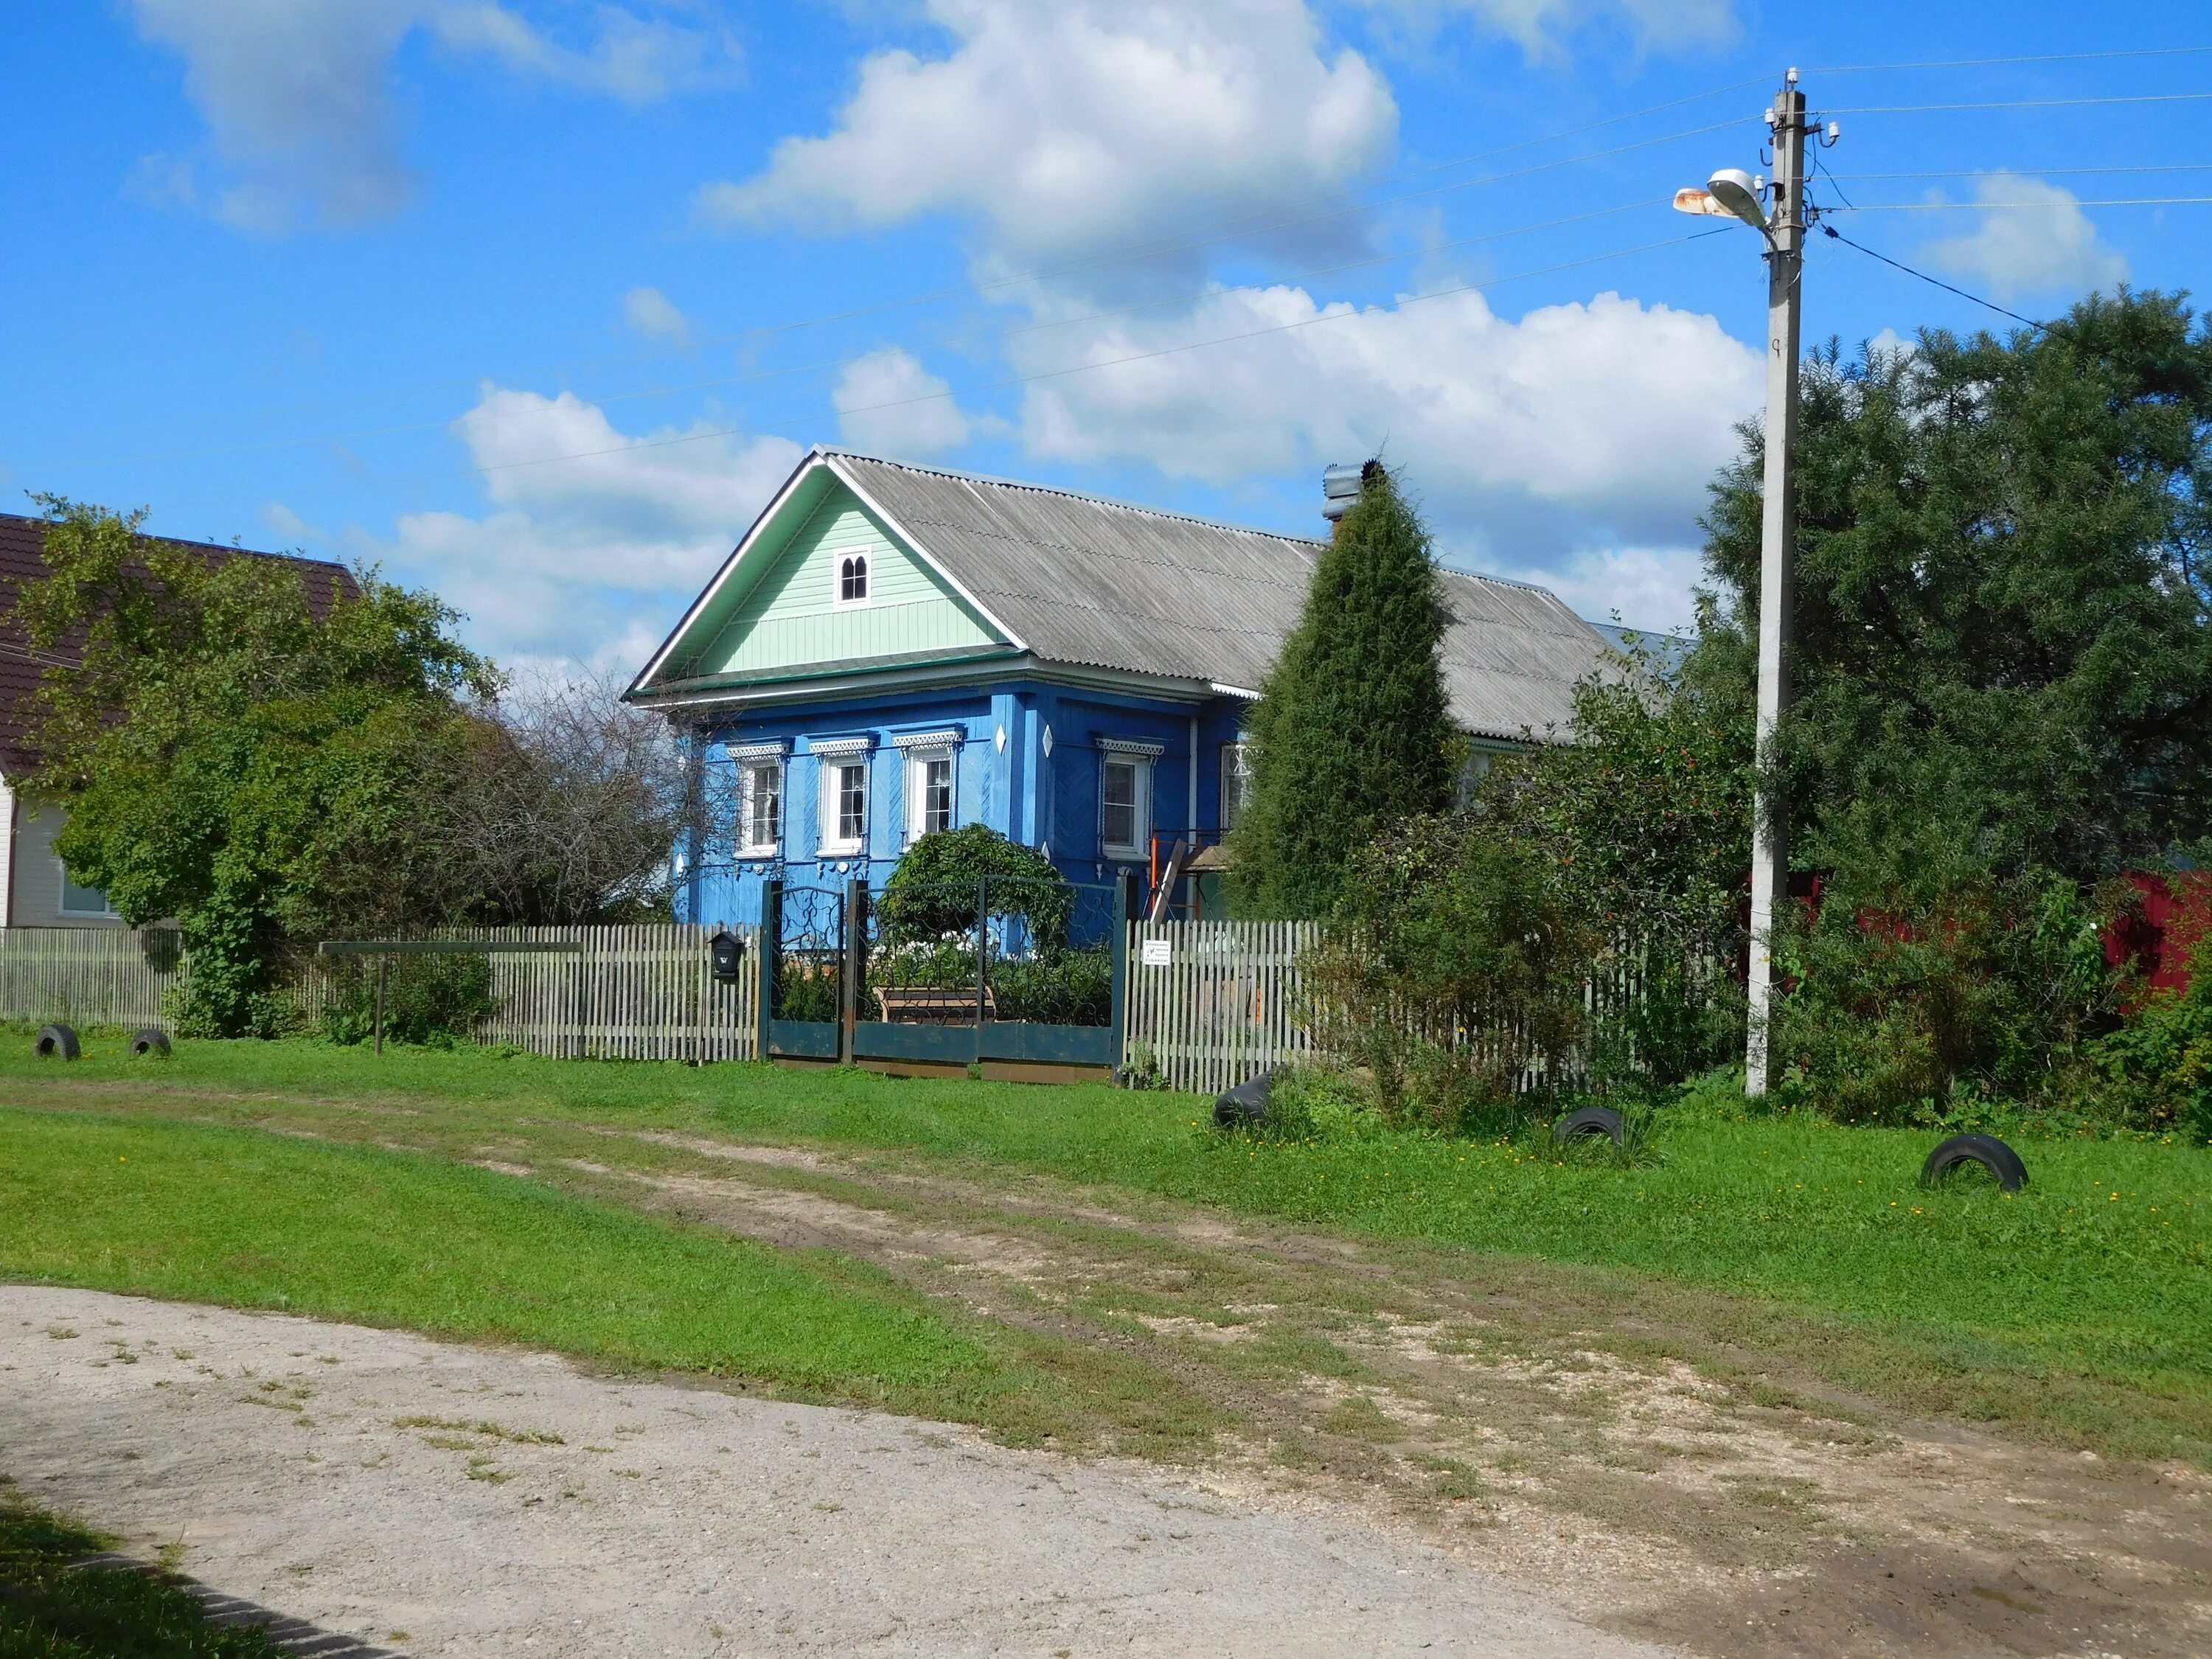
(1235, 797)
(751, 775)
(754, 762)
(922, 751)
(838, 561)
(834, 758)
(1139, 757)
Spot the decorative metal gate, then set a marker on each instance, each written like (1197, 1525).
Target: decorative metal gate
(803, 946)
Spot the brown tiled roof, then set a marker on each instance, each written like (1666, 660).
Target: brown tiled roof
(23, 559)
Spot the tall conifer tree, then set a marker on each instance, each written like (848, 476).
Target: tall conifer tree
(1352, 734)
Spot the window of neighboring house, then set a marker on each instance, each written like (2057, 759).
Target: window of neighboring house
(844, 805)
(1124, 791)
(759, 808)
(78, 901)
(852, 579)
(928, 791)
(1235, 783)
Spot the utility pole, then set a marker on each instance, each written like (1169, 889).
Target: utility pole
(1770, 832)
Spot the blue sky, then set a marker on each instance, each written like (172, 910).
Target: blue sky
(534, 302)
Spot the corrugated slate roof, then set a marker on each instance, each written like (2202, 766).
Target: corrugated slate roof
(1102, 584)
(23, 559)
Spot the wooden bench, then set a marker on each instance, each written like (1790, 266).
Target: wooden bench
(930, 1004)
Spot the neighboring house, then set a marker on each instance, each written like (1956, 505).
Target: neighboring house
(893, 649)
(35, 888)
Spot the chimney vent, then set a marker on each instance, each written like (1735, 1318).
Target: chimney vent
(1339, 488)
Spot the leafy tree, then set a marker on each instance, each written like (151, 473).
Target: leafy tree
(235, 760)
(2004, 677)
(1470, 940)
(1352, 734)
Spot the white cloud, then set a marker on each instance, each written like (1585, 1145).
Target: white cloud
(888, 403)
(1650, 588)
(581, 555)
(1580, 425)
(1063, 126)
(2048, 246)
(654, 315)
(1539, 26)
(290, 526)
(296, 97)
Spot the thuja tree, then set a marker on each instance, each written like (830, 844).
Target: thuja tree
(1352, 734)
(234, 759)
(2004, 672)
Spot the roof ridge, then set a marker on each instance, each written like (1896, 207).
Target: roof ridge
(963, 477)
(956, 474)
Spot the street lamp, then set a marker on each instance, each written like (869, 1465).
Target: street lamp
(1733, 193)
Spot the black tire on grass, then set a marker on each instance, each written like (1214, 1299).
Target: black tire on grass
(151, 1040)
(1592, 1121)
(1992, 1154)
(57, 1042)
(1245, 1103)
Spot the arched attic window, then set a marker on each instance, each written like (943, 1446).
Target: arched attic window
(852, 579)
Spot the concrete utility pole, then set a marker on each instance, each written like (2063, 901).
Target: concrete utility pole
(1770, 833)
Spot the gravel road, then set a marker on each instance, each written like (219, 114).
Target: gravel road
(452, 1500)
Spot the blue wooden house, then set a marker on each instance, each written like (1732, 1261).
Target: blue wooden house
(894, 648)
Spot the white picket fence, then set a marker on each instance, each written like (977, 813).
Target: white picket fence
(644, 992)
(1215, 1003)
(87, 976)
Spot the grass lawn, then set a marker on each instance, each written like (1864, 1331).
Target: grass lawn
(2099, 1275)
(198, 1213)
(50, 1610)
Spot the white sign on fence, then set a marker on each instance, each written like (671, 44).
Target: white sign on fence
(1158, 953)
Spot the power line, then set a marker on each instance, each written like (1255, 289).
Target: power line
(1898, 264)
(2026, 103)
(1087, 368)
(2029, 171)
(1991, 63)
(2071, 200)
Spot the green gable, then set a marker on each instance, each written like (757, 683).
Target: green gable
(778, 611)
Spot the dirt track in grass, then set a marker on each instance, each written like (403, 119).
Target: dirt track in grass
(1522, 1420)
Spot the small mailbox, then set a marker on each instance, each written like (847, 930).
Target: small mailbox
(729, 953)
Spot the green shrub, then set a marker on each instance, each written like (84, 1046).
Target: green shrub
(435, 1001)
(2155, 1072)
(1907, 1001)
(1056, 986)
(932, 892)
(1317, 1102)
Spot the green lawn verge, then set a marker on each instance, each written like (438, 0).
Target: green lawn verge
(193, 1212)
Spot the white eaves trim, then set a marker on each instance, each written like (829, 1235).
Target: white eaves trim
(816, 458)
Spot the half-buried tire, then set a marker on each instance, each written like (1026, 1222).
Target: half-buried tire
(1246, 1103)
(1591, 1121)
(57, 1042)
(151, 1040)
(1992, 1154)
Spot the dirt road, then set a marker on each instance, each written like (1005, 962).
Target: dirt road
(457, 1501)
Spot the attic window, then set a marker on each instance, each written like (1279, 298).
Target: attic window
(852, 579)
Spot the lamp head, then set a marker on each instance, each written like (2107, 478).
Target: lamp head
(1738, 193)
